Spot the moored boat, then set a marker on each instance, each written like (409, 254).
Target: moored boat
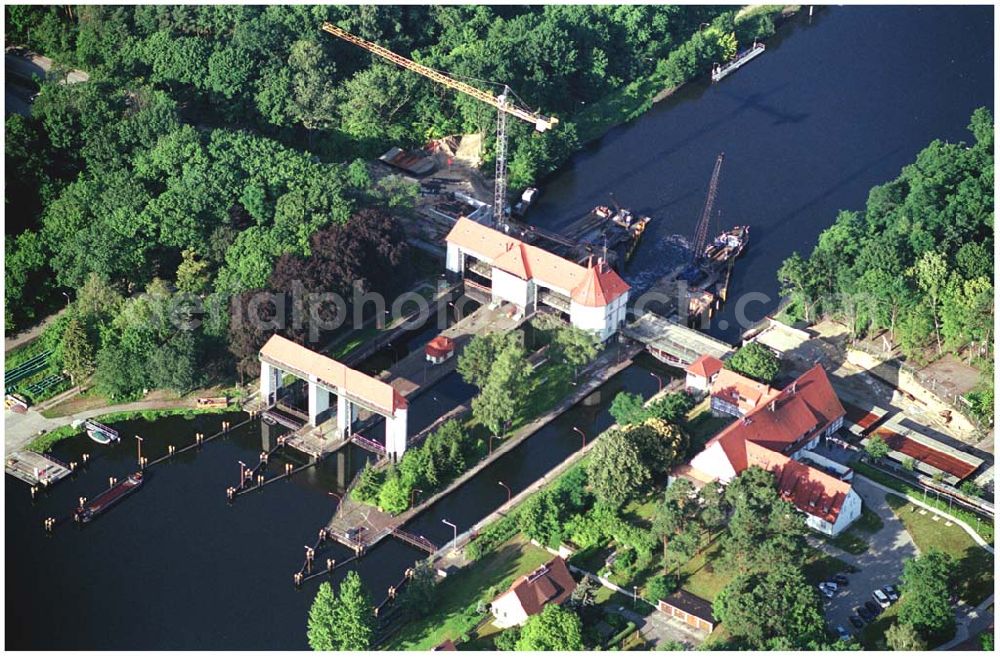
(104, 500)
(99, 436)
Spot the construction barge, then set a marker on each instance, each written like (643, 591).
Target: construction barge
(88, 510)
(708, 278)
(612, 234)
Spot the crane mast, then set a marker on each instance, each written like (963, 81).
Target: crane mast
(701, 230)
(502, 103)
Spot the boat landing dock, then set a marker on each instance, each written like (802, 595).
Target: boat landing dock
(35, 469)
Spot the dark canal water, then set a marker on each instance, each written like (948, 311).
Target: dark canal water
(176, 567)
(834, 107)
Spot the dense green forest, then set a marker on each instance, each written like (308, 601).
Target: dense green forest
(219, 150)
(918, 262)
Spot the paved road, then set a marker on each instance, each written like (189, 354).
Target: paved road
(19, 68)
(881, 565)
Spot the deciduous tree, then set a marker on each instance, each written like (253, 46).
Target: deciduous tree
(553, 629)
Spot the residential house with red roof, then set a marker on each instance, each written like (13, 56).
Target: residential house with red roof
(781, 427)
(736, 395)
(591, 297)
(550, 583)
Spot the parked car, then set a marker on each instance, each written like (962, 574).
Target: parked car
(842, 633)
(873, 608)
(840, 579)
(857, 622)
(830, 585)
(825, 592)
(881, 598)
(891, 592)
(865, 613)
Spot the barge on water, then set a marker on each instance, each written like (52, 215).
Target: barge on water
(88, 510)
(604, 229)
(719, 71)
(709, 287)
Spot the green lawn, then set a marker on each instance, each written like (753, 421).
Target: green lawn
(847, 541)
(983, 526)
(450, 618)
(701, 426)
(974, 575)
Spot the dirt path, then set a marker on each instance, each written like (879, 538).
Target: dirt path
(31, 334)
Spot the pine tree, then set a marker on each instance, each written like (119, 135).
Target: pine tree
(353, 618)
(78, 353)
(320, 630)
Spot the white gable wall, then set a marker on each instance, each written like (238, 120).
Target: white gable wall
(510, 288)
(714, 461)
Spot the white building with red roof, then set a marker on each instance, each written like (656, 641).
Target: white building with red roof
(549, 584)
(590, 297)
(701, 373)
(774, 434)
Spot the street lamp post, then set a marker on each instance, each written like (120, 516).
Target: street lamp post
(414, 492)
(491, 442)
(508, 491)
(138, 445)
(635, 594)
(454, 529)
(340, 501)
(659, 381)
(583, 436)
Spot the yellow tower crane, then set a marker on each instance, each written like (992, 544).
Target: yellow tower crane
(502, 103)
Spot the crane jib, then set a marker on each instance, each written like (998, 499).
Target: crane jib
(540, 122)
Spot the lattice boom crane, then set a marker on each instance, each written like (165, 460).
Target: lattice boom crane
(502, 103)
(701, 230)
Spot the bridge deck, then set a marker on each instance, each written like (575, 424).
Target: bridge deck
(681, 344)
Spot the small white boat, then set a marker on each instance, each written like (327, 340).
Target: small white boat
(99, 436)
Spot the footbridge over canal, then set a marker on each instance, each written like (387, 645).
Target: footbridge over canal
(673, 343)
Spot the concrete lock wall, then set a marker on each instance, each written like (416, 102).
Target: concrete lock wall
(509, 288)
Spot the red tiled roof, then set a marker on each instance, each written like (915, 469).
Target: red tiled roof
(549, 583)
(740, 391)
(809, 489)
(440, 346)
(705, 366)
(590, 286)
(814, 388)
(599, 287)
(282, 352)
(926, 454)
(780, 419)
(447, 645)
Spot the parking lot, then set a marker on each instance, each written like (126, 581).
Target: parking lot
(881, 565)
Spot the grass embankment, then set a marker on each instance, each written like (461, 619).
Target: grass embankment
(974, 574)
(47, 440)
(980, 524)
(637, 97)
(459, 595)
